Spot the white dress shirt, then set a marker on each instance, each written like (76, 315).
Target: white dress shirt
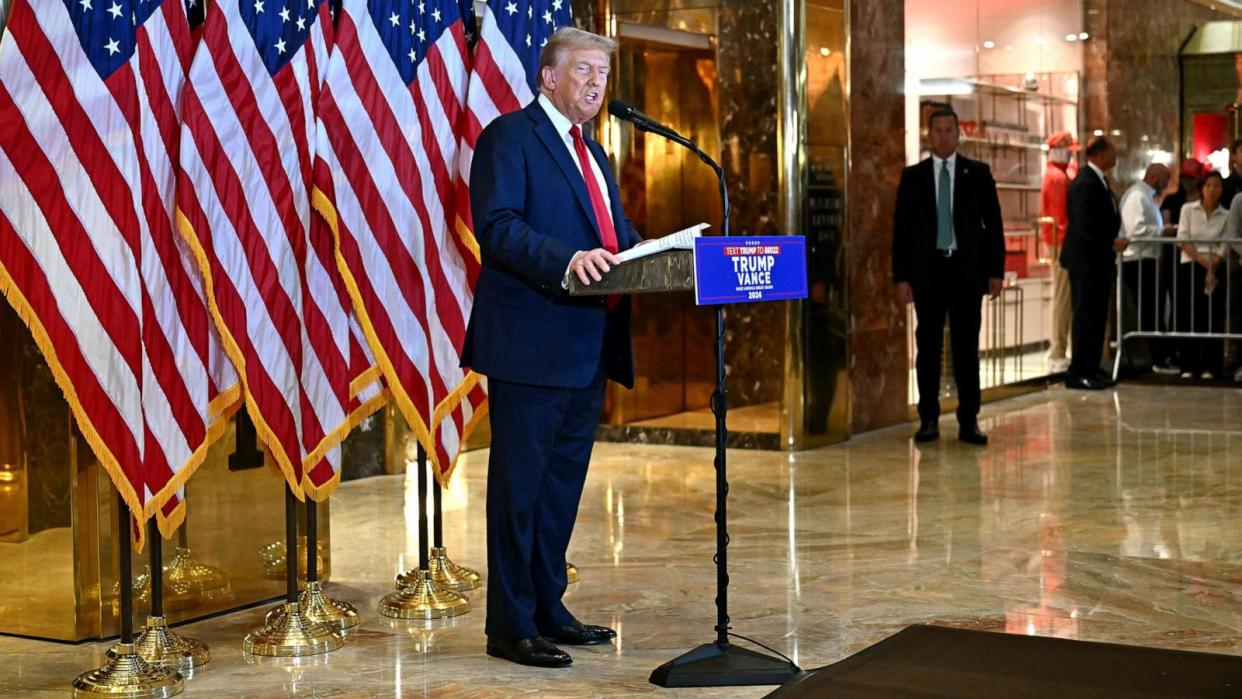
(563, 126)
(937, 164)
(1196, 223)
(1140, 218)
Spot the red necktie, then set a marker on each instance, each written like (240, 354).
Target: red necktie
(607, 233)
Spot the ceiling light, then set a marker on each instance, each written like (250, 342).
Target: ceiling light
(1071, 37)
(825, 51)
(989, 44)
(1084, 36)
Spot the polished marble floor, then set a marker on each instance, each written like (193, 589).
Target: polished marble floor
(1108, 516)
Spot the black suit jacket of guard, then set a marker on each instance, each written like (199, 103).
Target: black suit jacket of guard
(977, 224)
(1094, 222)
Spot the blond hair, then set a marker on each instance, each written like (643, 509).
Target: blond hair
(568, 39)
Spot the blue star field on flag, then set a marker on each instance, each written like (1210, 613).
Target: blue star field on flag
(410, 27)
(108, 29)
(528, 24)
(279, 27)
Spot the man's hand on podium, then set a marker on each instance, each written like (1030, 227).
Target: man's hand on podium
(592, 264)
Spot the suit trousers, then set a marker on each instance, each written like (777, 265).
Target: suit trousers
(949, 295)
(541, 444)
(1091, 290)
(1061, 311)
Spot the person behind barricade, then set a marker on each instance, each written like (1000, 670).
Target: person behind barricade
(1141, 220)
(1189, 179)
(1233, 183)
(1199, 287)
(1233, 229)
(1052, 204)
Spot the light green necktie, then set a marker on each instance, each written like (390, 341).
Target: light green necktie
(944, 210)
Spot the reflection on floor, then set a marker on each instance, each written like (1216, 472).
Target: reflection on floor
(751, 418)
(995, 371)
(1105, 516)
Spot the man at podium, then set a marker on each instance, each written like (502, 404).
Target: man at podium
(545, 206)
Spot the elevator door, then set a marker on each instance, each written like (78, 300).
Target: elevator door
(665, 188)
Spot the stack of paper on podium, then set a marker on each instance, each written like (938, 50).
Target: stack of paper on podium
(663, 264)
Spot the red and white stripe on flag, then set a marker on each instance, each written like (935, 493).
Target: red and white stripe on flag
(388, 133)
(87, 255)
(244, 203)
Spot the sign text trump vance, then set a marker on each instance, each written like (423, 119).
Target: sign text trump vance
(753, 265)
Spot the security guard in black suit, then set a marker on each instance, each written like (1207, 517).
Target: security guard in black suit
(948, 250)
(1090, 256)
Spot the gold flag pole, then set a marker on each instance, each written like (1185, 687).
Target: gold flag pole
(158, 644)
(125, 674)
(443, 570)
(316, 604)
(419, 596)
(289, 633)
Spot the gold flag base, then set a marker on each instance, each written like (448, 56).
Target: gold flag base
(319, 608)
(424, 600)
(445, 573)
(127, 675)
(185, 574)
(572, 574)
(289, 634)
(160, 646)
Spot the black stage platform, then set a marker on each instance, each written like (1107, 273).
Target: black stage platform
(932, 661)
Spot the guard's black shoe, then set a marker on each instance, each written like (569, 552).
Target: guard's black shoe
(929, 431)
(972, 435)
(1085, 383)
(535, 652)
(576, 633)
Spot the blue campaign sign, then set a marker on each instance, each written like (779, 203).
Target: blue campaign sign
(738, 269)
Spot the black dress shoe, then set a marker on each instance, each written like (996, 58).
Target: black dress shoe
(576, 633)
(972, 435)
(535, 652)
(1085, 383)
(1106, 379)
(929, 431)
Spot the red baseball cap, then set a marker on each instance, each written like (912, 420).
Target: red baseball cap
(1191, 168)
(1063, 139)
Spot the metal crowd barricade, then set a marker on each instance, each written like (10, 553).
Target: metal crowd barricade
(1166, 317)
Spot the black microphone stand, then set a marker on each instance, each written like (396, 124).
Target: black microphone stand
(719, 663)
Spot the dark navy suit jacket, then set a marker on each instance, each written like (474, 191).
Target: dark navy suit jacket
(531, 214)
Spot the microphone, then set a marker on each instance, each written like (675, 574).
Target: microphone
(634, 115)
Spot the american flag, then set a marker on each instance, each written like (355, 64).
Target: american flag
(388, 139)
(503, 78)
(248, 145)
(88, 134)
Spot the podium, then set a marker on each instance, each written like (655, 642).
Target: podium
(671, 270)
(719, 663)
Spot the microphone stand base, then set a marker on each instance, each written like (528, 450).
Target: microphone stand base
(716, 665)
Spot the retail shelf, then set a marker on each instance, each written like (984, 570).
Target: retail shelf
(955, 87)
(1000, 144)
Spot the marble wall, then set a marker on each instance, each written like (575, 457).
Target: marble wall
(878, 367)
(1131, 81)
